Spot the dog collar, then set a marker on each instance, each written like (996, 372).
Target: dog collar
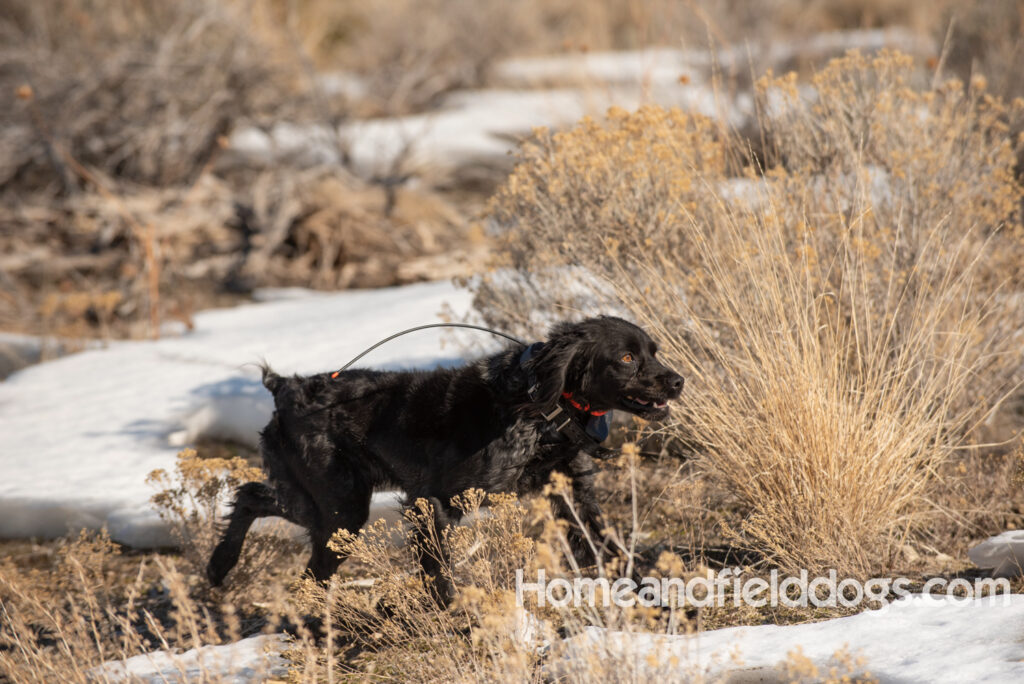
(582, 407)
(597, 427)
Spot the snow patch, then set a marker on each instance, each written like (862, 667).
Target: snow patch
(657, 66)
(1002, 554)
(234, 418)
(255, 659)
(917, 639)
(483, 126)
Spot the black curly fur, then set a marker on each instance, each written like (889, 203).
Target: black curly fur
(333, 441)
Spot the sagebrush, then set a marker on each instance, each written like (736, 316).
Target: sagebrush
(845, 318)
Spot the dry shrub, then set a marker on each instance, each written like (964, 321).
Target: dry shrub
(844, 320)
(389, 621)
(115, 193)
(324, 228)
(613, 188)
(412, 52)
(142, 91)
(193, 501)
(108, 97)
(75, 264)
(90, 602)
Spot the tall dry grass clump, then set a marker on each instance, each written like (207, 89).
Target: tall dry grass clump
(844, 319)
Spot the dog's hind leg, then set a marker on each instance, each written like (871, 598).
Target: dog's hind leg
(252, 500)
(350, 513)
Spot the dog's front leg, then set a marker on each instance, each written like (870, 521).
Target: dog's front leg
(431, 552)
(590, 539)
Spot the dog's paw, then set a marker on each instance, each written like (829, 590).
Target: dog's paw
(603, 454)
(215, 570)
(441, 590)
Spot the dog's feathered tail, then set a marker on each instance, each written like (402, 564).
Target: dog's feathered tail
(271, 380)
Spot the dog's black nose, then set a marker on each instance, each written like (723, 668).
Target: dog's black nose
(675, 382)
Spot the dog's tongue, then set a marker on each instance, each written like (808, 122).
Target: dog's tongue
(648, 402)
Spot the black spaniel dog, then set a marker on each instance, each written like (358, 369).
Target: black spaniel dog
(501, 424)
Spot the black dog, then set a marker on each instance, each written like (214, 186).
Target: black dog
(501, 424)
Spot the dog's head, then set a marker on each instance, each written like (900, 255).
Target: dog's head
(608, 363)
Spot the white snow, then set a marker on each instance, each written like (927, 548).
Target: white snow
(1002, 554)
(917, 639)
(472, 127)
(483, 126)
(665, 65)
(255, 659)
(79, 434)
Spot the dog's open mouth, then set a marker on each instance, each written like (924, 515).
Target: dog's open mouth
(642, 405)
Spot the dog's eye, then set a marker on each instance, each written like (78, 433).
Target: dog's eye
(627, 358)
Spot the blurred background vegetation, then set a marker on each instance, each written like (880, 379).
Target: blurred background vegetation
(124, 206)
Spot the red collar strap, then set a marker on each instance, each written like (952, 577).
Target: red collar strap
(582, 407)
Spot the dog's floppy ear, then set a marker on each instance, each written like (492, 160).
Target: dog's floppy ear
(554, 366)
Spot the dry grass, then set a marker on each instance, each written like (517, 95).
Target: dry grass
(408, 54)
(67, 610)
(121, 216)
(89, 604)
(845, 322)
(77, 264)
(389, 624)
(386, 626)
